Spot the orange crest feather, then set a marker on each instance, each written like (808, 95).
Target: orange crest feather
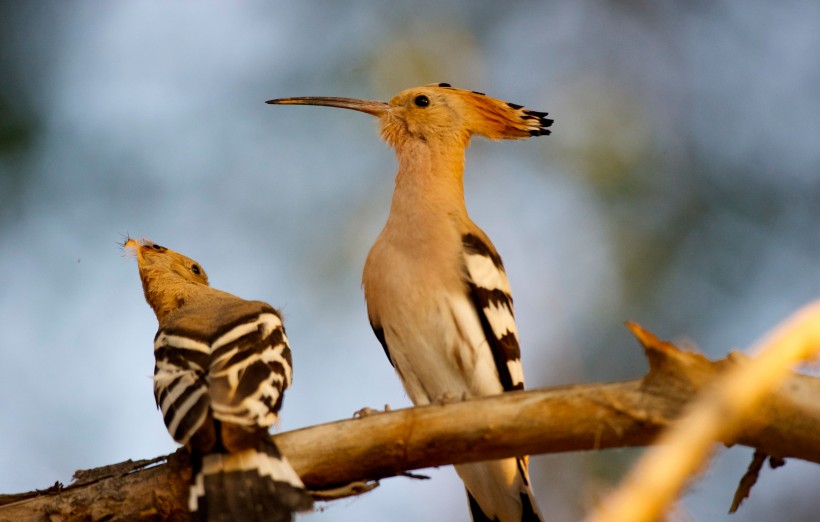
(497, 119)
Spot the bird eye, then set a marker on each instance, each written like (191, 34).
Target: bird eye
(156, 247)
(422, 101)
(195, 269)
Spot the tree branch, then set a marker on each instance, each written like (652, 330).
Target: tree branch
(547, 420)
(721, 412)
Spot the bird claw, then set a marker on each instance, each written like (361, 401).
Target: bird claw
(367, 411)
(448, 397)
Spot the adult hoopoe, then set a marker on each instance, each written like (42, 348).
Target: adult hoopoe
(222, 366)
(438, 298)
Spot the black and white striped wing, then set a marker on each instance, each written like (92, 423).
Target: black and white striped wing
(490, 292)
(250, 369)
(180, 385)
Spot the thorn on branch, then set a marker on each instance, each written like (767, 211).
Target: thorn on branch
(749, 478)
(776, 462)
(673, 371)
(416, 476)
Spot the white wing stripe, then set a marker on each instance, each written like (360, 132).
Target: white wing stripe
(165, 379)
(485, 274)
(179, 342)
(268, 321)
(516, 371)
(501, 320)
(183, 411)
(251, 460)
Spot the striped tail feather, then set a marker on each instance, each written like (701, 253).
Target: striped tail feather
(499, 491)
(255, 484)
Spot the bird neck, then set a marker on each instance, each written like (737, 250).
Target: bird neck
(165, 295)
(429, 183)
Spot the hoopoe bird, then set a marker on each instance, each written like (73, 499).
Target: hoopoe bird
(222, 366)
(438, 298)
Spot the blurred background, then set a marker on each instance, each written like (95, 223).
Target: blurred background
(679, 189)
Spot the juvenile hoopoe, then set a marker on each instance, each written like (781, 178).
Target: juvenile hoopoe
(438, 298)
(222, 366)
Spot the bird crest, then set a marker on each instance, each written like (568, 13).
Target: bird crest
(493, 118)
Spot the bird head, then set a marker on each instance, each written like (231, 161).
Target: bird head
(440, 113)
(167, 276)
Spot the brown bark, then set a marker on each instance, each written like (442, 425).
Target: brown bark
(723, 411)
(547, 420)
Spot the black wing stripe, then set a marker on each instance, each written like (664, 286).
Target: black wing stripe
(474, 245)
(501, 348)
(250, 344)
(379, 331)
(487, 298)
(180, 388)
(503, 343)
(250, 368)
(182, 358)
(190, 420)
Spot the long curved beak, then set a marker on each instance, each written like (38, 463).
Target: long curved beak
(374, 108)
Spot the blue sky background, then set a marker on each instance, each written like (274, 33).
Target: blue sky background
(679, 189)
